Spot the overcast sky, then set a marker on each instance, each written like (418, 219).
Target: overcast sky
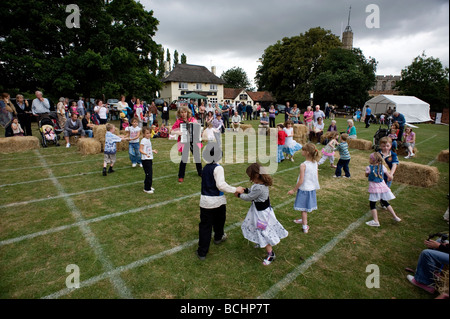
(228, 33)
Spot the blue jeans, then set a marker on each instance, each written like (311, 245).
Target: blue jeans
(280, 155)
(430, 260)
(89, 133)
(135, 155)
(342, 164)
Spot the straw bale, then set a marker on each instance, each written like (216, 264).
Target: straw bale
(359, 144)
(300, 129)
(89, 146)
(243, 127)
(18, 144)
(443, 156)
(416, 174)
(99, 132)
(326, 135)
(403, 151)
(302, 139)
(73, 140)
(122, 146)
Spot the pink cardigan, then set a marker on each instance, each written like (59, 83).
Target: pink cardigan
(176, 125)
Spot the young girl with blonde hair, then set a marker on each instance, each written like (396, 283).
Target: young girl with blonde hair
(307, 184)
(378, 189)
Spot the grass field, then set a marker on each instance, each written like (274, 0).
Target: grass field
(56, 209)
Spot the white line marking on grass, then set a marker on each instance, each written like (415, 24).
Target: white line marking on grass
(143, 261)
(113, 215)
(116, 281)
(300, 269)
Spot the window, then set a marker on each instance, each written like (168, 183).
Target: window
(213, 87)
(213, 100)
(182, 85)
(198, 86)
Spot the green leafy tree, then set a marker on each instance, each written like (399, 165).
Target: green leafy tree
(236, 78)
(428, 80)
(289, 67)
(344, 78)
(183, 58)
(175, 58)
(111, 53)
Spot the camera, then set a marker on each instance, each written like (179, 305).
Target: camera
(443, 237)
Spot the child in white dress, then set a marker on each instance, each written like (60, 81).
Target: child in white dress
(307, 184)
(260, 225)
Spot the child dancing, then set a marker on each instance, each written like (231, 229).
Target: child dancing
(260, 226)
(378, 190)
(328, 150)
(307, 184)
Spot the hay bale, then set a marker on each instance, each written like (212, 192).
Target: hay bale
(18, 144)
(300, 129)
(359, 144)
(326, 135)
(443, 156)
(99, 132)
(416, 174)
(89, 146)
(301, 139)
(403, 151)
(245, 126)
(122, 146)
(73, 140)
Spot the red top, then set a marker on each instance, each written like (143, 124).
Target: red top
(281, 137)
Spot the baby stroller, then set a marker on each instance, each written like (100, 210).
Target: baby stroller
(50, 130)
(379, 134)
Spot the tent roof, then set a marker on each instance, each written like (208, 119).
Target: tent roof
(415, 110)
(393, 100)
(193, 96)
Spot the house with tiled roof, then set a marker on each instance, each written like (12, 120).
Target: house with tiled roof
(264, 98)
(188, 78)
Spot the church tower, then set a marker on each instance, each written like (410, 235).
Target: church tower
(347, 35)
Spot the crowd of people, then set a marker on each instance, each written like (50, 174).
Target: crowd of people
(260, 226)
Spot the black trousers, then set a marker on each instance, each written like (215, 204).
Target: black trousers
(182, 168)
(342, 164)
(148, 169)
(271, 121)
(210, 219)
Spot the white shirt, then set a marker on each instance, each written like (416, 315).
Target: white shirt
(102, 112)
(311, 179)
(217, 201)
(147, 149)
(134, 133)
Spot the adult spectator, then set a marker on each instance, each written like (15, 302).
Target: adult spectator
(226, 115)
(272, 114)
(295, 114)
(40, 106)
(430, 261)
(249, 110)
(264, 121)
(165, 113)
(61, 113)
(236, 121)
(318, 113)
(255, 111)
(351, 130)
(7, 113)
(23, 114)
(287, 112)
(202, 112)
(400, 119)
(327, 110)
(317, 132)
(368, 116)
(88, 125)
(308, 117)
(192, 107)
(73, 127)
(153, 110)
(102, 112)
(81, 107)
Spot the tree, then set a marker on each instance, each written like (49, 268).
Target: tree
(111, 53)
(344, 78)
(236, 78)
(289, 67)
(427, 80)
(183, 58)
(175, 58)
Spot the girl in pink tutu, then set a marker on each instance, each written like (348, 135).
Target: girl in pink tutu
(378, 190)
(328, 150)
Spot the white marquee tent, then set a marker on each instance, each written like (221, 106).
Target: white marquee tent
(414, 109)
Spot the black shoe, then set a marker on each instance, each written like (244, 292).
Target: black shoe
(200, 257)
(110, 170)
(104, 172)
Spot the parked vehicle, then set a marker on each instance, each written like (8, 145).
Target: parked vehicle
(280, 108)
